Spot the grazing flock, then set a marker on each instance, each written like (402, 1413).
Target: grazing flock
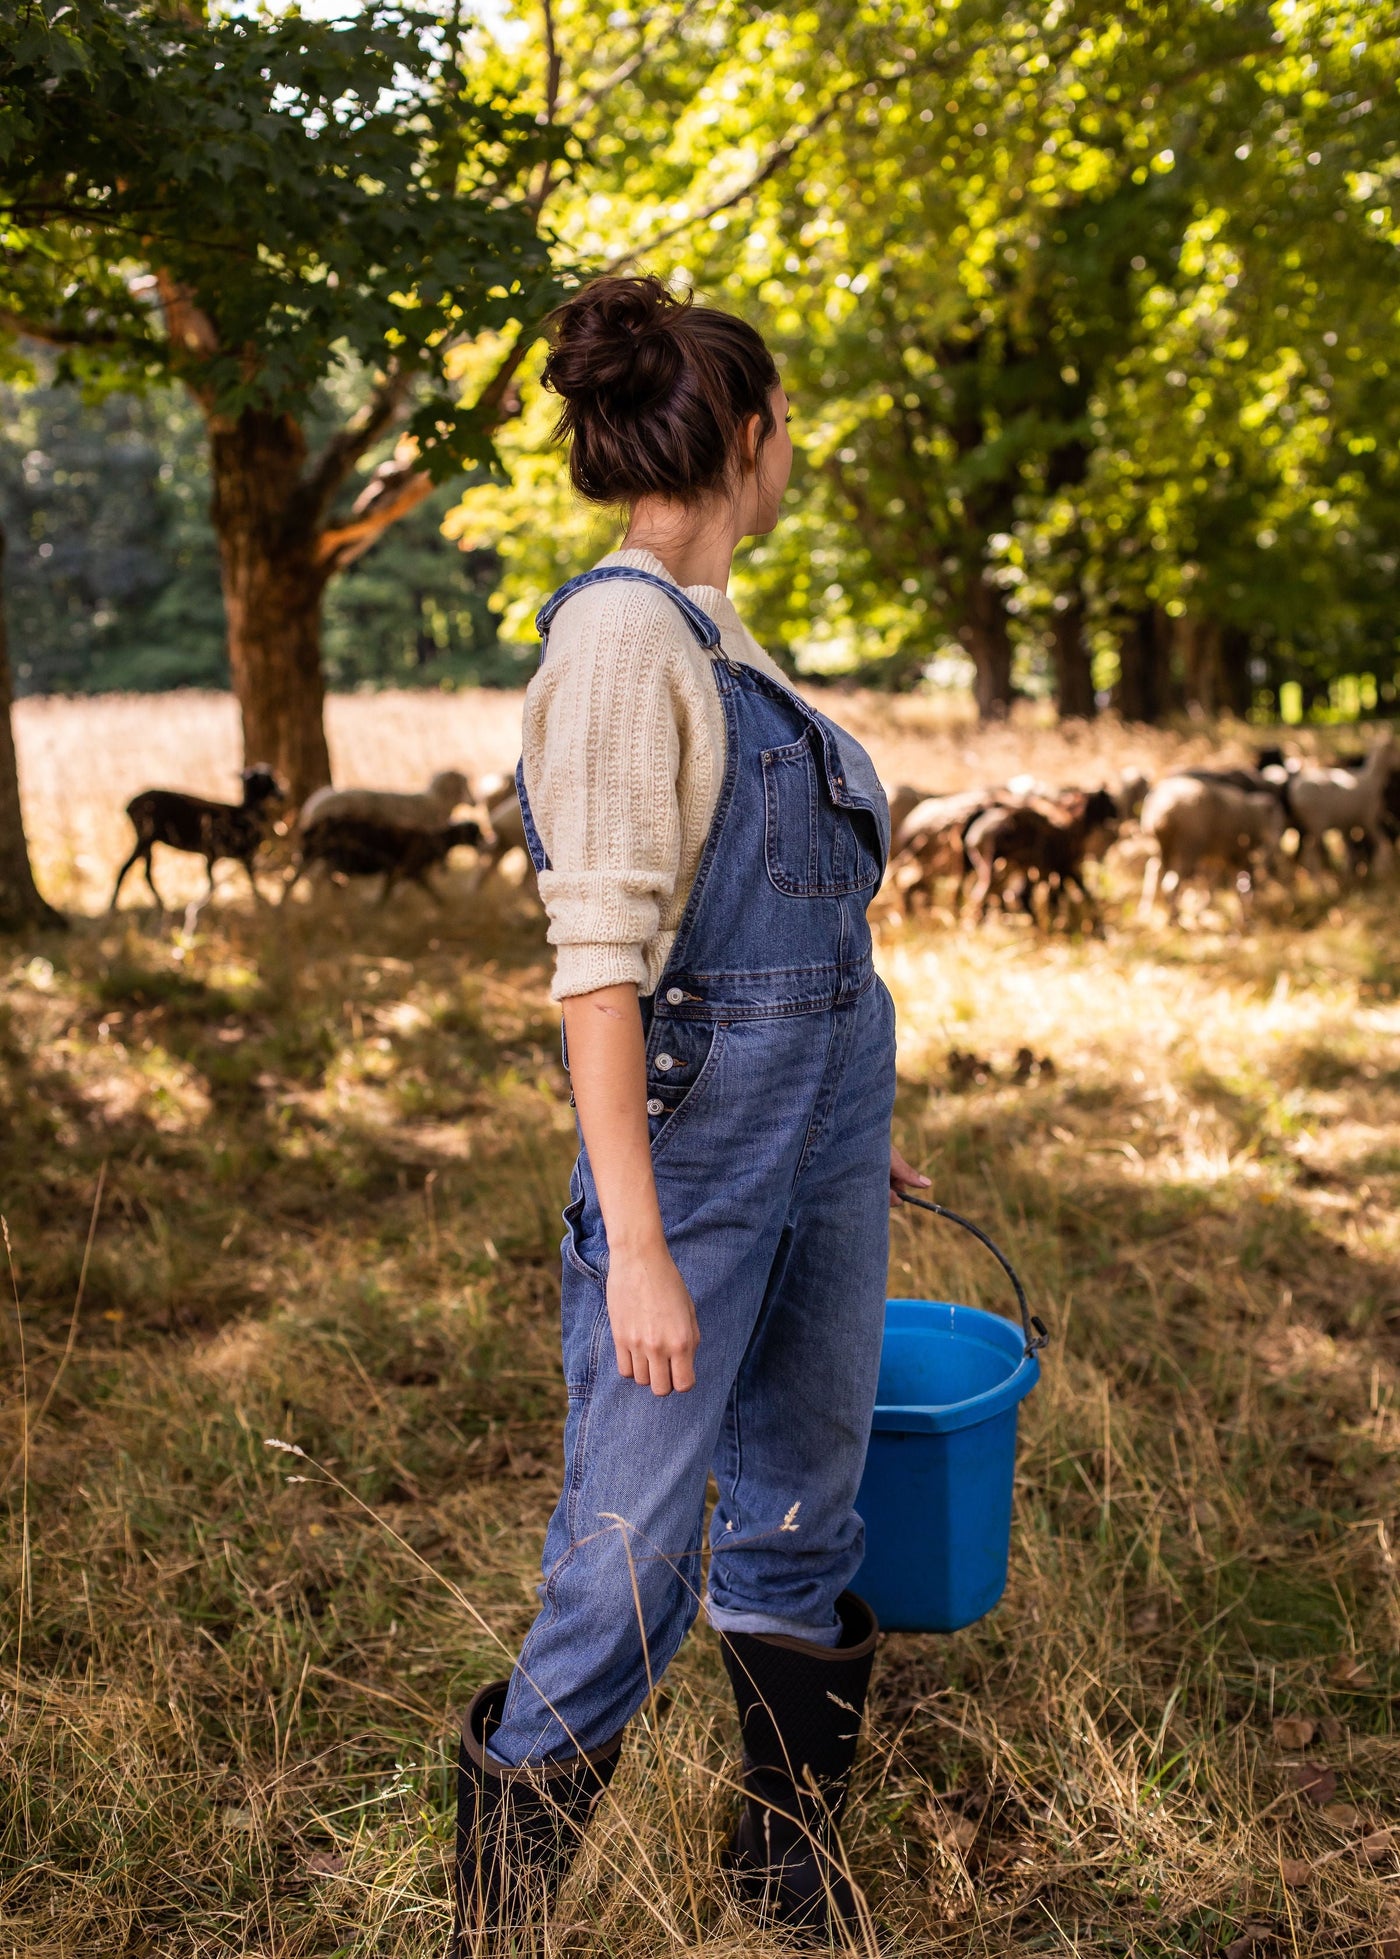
(1021, 847)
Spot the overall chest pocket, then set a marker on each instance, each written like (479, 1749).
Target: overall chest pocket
(813, 848)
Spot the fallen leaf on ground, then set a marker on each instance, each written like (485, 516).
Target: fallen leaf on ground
(1330, 1729)
(957, 1832)
(1376, 1847)
(1348, 1671)
(325, 1863)
(1249, 1939)
(1342, 1816)
(1388, 1946)
(1296, 1871)
(1294, 1730)
(236, 1819)
(1315, 1783)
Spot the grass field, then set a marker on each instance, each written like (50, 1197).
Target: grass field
(299, 1178)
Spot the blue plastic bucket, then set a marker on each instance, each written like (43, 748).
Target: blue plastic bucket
(936, 1494)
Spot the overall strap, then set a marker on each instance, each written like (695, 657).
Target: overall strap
(699, 621)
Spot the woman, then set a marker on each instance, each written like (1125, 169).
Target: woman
(706, 847)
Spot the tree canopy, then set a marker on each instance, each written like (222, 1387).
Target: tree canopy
(253, 204)
(1089, 312)
(247, 201)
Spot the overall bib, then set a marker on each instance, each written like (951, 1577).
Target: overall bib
(770, 1084)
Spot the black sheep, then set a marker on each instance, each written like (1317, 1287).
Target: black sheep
(354, 846)
(213, 831)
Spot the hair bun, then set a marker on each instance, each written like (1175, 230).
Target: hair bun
(616, 340)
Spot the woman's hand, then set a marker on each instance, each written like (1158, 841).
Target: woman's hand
(903, 1176)
(654, 1327)
(653, 1316)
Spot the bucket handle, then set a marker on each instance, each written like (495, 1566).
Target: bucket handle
(1036, 1332)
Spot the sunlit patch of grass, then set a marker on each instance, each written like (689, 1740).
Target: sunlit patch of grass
(336, 1143)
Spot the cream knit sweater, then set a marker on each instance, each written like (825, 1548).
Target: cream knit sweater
(624, 754)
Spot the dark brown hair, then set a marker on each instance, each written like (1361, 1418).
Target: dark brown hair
(655, 390)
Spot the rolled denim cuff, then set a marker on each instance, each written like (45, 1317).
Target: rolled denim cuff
(765, 1622)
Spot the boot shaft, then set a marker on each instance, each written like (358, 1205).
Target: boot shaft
(518, 1829)
(800, 1708)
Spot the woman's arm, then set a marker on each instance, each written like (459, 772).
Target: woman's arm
(652, 1315)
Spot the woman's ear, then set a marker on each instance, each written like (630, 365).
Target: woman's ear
(750, 437)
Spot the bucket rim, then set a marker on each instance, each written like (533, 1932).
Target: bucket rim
(941, 1418)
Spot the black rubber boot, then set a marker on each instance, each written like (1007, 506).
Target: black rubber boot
(517, 1832)
(800, 1709)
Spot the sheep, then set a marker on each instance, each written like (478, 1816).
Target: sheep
(355, 846)
(1360, 852)
(902, 799)
(928, 844)
(1045, 843)
(212, 831)
(1200, 827)
(426, 809)
(1353, 801)
(502, 807)
(1131, 793)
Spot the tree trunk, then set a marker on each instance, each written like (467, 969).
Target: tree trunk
(1200, 655)
(272, 595)
(1147, 689)
(985, 635)
(20, 903)
(1074, 676)
(1236, 681)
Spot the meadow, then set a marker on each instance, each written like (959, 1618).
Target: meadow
(297, 1177)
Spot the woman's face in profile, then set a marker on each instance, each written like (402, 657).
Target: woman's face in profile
(773, 469)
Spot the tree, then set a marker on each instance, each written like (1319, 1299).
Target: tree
(20, 903)
(1056, 290)
(113, 567)
(246, 204)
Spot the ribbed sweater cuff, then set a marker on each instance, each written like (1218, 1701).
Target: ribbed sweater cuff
(584, 968)
(603, 907)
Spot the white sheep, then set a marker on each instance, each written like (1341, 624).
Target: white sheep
(1349, 800)
(425, 809)
(1203, 828)
(507, 824)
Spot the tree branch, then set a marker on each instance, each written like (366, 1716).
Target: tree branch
(54, 335)
(781, 154)
(344, 449)
(401, 484)
(553, 71)
(394, 489)
(187, 324)
(626, 69)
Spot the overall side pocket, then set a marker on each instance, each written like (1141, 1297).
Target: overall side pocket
(583, 1300)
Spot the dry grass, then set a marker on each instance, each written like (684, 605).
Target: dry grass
(336, 1141)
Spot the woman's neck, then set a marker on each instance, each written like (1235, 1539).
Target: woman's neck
(696, 546)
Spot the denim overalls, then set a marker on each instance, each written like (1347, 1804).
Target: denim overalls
(770, 1083)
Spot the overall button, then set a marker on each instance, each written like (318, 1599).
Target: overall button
(665, 1063)
(656, 1106)
(674, 996)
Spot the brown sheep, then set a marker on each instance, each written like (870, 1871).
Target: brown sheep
(1045, 844)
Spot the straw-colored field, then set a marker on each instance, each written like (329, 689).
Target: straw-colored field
(82, 759)
(321, 1154)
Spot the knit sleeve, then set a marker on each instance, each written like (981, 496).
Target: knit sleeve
(602, 752)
